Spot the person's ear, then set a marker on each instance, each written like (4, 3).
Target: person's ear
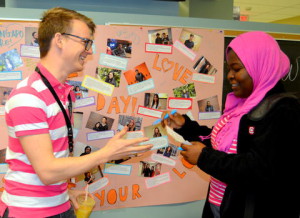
(58, 40)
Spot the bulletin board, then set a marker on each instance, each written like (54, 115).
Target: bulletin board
(184, 76)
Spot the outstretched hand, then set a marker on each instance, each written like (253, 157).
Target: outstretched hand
(192, 152)
(118, 148)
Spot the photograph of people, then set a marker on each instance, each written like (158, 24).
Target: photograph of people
(189, 42)
(119, 51)
(10, 60)
(131, 125)
(139, 77)
(34, 41)
(210, 104)
(101, 126)
(99, 122)
(186, 91)
(250, 154)
(87, 150)
(165, 39)
(168, 151)
(156, 132)
(155, 102)
(158, 39)
(209, 107)
(119, 47)
(89, 178)
(149, 169)
(137, 74)
(5, 95)
(160, 36)
(78, 92)
(110, 78)
(109, 75)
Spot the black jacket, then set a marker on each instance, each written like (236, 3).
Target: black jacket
(263, 177)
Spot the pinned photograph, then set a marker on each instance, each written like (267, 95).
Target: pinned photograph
(31, 36)
(133, 123)
(90, 176)
(4, 93)
(149, 169)
(161, 36)
(138, 74)
(186, 91)
(109, 75)
(190, 40)
(170, 151)
(98, 122)
(10, 60)
(79, 91)
(202, 65)
(154, 131)
(156, 101)
(210, 104)
(120, 48)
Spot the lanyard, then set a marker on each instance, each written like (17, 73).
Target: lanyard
(67, 118)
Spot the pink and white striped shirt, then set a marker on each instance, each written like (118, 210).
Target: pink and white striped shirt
(31, 109)
(217, 188)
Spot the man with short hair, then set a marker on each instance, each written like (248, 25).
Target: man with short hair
(189, 42)
(38, 116)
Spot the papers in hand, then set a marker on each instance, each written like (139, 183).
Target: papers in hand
(177, 137)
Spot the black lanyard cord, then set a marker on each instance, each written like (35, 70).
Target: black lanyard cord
(67, 118)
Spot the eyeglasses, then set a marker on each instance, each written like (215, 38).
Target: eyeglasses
(88, 42)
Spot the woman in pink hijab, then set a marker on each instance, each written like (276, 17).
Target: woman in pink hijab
(252, 152)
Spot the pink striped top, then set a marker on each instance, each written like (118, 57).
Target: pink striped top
(217, 188)
(31, 109)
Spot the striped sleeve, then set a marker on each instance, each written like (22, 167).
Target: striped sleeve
(26, 113)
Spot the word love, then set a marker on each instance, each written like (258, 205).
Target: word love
(166, 65)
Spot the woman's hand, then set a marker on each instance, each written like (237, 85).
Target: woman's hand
(73, 194)
(192, 152)
(175, 121)
(118, 148)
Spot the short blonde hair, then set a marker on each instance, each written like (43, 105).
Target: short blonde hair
(58, 20)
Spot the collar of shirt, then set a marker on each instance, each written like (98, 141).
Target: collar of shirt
(61, 88)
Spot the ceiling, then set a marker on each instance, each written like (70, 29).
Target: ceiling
(274, 11)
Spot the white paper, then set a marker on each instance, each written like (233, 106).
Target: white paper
(158, 180)
(100, 183)
(149, 112)
(185, 50)
(98, 85)
(117, 169)
(163, 159)
(100, 135)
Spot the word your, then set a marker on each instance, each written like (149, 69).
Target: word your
(113, 195)
(167, 65)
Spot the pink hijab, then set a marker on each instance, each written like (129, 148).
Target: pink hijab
(266, 64)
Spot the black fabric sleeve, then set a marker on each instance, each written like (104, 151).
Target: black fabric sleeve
(268, 156)
(191, 130)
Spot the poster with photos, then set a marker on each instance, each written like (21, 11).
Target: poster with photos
(135, 74)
